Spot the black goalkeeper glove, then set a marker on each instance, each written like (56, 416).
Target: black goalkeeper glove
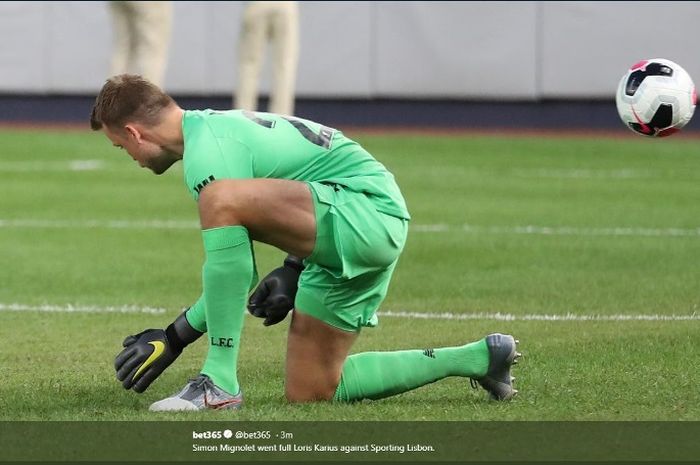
(147, 354)
(274, 296)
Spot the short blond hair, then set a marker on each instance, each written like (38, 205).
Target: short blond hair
(128, 98)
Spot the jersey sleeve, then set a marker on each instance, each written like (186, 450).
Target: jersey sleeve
(209, 158)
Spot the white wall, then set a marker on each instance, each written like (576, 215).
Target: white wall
(510, 50)
(587, 46)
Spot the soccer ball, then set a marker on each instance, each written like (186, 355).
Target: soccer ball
(656, 98)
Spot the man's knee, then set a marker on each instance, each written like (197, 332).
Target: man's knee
(316, 354)
(222, 204)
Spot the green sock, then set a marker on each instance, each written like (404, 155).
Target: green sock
(197, 314)
(374, 375)
(226, 277)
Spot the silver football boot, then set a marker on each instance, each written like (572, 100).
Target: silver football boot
(502, 356)
(199, 393)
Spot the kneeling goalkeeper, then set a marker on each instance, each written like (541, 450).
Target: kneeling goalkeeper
(310, 191)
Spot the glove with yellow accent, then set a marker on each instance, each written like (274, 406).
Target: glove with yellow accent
(147, 354)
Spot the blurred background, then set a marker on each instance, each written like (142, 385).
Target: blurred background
(522, 64)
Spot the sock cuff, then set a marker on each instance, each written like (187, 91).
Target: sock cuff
(344, 391)
(341, 392)
(224, 237)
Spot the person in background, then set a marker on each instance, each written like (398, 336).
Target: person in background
(276, 23)
(141, 37)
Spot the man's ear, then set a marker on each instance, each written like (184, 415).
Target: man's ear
(133, 131)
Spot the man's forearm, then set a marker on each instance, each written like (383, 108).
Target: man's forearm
(196, 315)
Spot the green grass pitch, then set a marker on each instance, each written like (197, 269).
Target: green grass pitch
(524, 226)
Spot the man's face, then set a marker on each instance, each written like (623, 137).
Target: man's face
(146, 153)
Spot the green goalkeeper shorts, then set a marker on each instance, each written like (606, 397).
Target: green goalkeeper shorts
(347, 275)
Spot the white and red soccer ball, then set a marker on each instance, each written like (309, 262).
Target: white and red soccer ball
(656, 98)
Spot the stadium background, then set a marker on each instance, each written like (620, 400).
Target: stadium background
(457, 64)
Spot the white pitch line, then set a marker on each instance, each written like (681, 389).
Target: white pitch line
(498, 316)
(558, 230)
(536, 317)
(98, 224)
(69, 308)
(534, 230)
(22, 166)
(575, 231)
(46, 166)
(623, 173)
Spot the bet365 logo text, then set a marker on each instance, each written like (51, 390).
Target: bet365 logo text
(207, 435)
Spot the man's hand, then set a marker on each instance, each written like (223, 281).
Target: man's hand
(147, 354)
(274, 296)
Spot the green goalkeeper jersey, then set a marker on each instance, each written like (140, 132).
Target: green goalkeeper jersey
(239, 144)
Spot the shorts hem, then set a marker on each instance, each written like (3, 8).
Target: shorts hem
(309, 305)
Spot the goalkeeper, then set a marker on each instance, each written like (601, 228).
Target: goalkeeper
(310, 191)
